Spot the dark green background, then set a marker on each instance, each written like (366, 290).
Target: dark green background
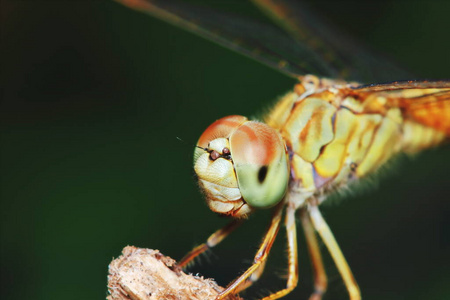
(93, 98)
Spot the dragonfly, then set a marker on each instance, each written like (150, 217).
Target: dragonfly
(329, 132)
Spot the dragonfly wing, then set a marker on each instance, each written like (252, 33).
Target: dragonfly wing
(256, 38)
(426, 102)
(403, 85)
(346, 57)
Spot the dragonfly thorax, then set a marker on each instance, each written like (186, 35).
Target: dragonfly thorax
(241, 165)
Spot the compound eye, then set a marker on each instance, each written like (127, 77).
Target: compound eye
(221, 128)
(260, 160)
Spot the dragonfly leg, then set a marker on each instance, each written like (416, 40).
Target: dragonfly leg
(252, 278)
(291, 229)
(320, 277)
(212, 241)
(292, 281)
(260, 257)
(327, 236)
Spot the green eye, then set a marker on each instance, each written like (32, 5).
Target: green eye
(263, 186)
(261, 165)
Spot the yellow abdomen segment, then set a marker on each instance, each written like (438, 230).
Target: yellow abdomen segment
(417, 137)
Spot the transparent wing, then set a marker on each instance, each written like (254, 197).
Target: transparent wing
(350, 59)
(306, 45)
(405, 84)
(255, 37)
(427, 102)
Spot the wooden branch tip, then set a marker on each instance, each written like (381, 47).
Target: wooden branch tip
(146, 274)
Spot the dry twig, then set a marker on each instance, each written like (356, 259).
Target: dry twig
(146, 274)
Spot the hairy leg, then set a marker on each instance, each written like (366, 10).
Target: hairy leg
(261, 255)
(212, 241)
(327, 236)
(320, 277)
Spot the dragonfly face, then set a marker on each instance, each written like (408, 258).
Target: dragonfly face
(241, 165)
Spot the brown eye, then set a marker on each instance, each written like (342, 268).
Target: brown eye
(214, 155)
(225, 151)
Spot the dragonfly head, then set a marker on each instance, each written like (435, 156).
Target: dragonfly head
(241, 165)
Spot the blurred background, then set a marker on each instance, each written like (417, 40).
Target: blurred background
(94, 96)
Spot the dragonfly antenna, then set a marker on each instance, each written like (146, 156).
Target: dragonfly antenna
(205, 149)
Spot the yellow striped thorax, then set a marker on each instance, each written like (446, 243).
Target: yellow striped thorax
(335, 134)
(241, 165)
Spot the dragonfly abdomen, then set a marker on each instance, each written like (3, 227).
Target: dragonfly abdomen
(417, 137)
